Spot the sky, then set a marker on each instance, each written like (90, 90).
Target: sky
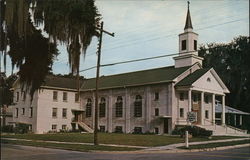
(148, 28)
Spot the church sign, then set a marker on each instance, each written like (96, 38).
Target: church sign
(192, 117)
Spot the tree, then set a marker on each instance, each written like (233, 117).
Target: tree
(69, 22)
(231, 61)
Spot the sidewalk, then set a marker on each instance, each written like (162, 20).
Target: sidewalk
(174, 146)
(160, 148)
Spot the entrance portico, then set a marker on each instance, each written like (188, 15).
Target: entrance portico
(201, 95)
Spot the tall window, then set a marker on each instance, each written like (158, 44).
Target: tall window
(156, 96)
(64, 113)
(182, 96)
(118, 107)
(16, 112)
(102, 128)
(156, 111)
(55, 95)
(23, 111)
(76, 97)
(195, 45)
(183, 45)
(102, 107)
(65, 96)
(31, 112)
(181, 112)
(17, 96)
(206, 114)
(24, 95)
(206, 98)
(88, 107)
(54, 112)
(138, 106)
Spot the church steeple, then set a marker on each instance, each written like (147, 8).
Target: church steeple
(188, 20)
(188, 54)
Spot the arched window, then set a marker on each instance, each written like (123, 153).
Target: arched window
(138, 106)
(118, 107)
(88, 107)
(102, 107)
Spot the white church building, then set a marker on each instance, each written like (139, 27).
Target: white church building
(154, 100)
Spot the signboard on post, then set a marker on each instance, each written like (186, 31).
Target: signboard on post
(192, 117)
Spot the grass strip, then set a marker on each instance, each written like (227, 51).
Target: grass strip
(113, 138)
(214, 145)
(74, 147)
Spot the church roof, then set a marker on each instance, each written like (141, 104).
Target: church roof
(138, 78)
(190, 79)
(188, 21)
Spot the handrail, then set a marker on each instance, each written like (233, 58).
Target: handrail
(235, 128)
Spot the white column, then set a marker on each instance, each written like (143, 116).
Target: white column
(223, 110)
(202, 108)
(213, 108)
(235, 120)
(240, 123)
(189, 100)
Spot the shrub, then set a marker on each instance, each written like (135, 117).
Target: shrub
(193, 130)
(7, 129)
(21, 128)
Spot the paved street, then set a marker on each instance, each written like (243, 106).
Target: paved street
(15, 152)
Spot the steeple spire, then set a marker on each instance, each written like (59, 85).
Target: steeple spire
(188, 19)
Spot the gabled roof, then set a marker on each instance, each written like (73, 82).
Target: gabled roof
(191, 78)
(152, 76)
(61, 82)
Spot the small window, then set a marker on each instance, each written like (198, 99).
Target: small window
(54, 112)
(76, 97)
(102, 128)
(65, 96)
(31, 112)
(182, 96)
(118, 129)
(55, 95)
(156, 96)
(17, 96)
(208, 79)
(195, 45)
(156, 111)
(89, 107)
(181, 112)
(64, 127)
(183, 45)
(207, 114)
(138, 130)
(23, 111)
(16, 112)
(64, 113)
(156, 130)
(54, 126)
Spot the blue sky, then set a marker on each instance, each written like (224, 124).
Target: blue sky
(146, 28)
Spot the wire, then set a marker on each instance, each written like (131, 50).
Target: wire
(130, 61)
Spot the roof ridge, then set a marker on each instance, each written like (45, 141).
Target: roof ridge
(137, 71)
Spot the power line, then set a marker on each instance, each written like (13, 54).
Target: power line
(130, 61)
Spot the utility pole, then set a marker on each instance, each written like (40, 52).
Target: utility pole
(97, 81)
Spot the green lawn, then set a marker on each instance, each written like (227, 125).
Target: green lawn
(74, 147)
(112, 138)
(214, 145)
